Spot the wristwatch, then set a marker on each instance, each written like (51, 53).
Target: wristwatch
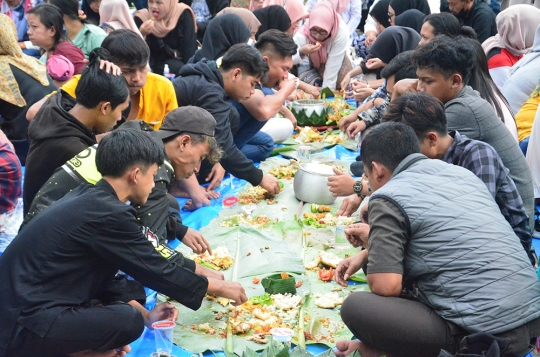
(357, 187)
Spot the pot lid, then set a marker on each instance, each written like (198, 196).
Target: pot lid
(309, 102)
(318, 169)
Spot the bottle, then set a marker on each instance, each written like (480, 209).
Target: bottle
(167, 72)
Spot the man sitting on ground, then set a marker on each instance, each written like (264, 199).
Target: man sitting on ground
(187, 137)
(436, 232)
(64, 127)
(84, 239)
(254, 136)
(425, 114)
(152, 96)
(209, 84)
(444, 67)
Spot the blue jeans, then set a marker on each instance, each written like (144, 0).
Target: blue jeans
(524, 144)
(259, 147)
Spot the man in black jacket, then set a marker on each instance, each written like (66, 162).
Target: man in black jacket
(209, 84)
(68, 255)
(64, 127)
(476, 14)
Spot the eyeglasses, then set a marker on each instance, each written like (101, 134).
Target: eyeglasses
(314, 32)
(390, 15)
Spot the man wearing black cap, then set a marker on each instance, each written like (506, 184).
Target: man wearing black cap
(55, 275)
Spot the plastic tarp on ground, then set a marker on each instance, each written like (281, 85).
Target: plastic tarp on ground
(287, 251)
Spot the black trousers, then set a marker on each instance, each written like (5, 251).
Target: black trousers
(98, 328)
(409, 328)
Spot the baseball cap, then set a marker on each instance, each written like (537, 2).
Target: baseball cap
(60, 68)
(189, 119)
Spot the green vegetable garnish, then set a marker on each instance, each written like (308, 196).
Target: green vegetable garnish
(207, 265)
(280, 183)
(265, 299)
(314, 208)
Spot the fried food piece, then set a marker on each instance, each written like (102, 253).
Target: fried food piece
(258, 338)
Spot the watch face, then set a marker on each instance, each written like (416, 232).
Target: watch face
(357, 187)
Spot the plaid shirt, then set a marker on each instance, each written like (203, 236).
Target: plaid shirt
(10, 178)
(482, 160)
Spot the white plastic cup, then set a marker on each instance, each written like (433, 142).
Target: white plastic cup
(304, 153)
(163, 333)
(340, 239)
(283, 335)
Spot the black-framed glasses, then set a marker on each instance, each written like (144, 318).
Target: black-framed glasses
(314, 32)
(390, 15)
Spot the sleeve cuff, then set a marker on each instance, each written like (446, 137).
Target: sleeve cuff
(181, 231)
(189, 264)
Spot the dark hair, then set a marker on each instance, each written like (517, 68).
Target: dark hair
(96, 85)
(247, 58)
(482, 82)
(215, 153)
(447, 24)
(401, 66)
(121, 149)
(421, 111)
(70, 8)
(50, 16)
(389, 144)
(447, 56)
(126, 47)
(275, 41)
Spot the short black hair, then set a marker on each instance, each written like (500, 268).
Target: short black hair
(50, 16)
(126, 47)
(447, 24)
(389, 144)
(446, 56)
(421, 111)
(121, 149)
(70, 8)
(96, 85)
(401, 66)
(275, 41)
(247, 58)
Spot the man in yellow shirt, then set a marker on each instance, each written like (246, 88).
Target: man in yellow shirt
(152, 95)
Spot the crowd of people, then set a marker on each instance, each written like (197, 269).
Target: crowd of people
(116, 108)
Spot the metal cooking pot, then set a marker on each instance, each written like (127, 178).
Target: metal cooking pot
(311, 184)
(309, 106)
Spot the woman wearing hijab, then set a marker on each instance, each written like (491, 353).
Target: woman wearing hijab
(398, 7)
(362, 43)
(115, 15)
(412, 18)
(247, 16)
(272, 17)
(169, 30)
(322, 42)
(24, 82)
(222, 33)
(83, 34)
(296, 10)
(516, 27)
(91, 10)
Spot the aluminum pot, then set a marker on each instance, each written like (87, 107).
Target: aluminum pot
(309, 106)
(311, 184)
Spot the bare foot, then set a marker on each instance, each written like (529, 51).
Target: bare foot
(177, 191)
(120, 352)
(345, 348)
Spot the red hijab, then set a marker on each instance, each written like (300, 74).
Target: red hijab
(324, 16)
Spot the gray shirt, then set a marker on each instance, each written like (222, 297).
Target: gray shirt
(474, 117)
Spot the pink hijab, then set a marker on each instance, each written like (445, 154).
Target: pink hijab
(324, 16)
(516, 27)
(115, 13)
(295, 8)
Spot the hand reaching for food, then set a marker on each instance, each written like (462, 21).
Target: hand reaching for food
(309, 48)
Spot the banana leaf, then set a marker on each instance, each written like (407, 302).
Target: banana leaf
(312, 120)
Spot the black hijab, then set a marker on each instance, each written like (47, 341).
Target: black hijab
(400, 6)
(91, 16)
(392, 41)
(379, 12)
(412, 18)
(272, 17)
(222, 33)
